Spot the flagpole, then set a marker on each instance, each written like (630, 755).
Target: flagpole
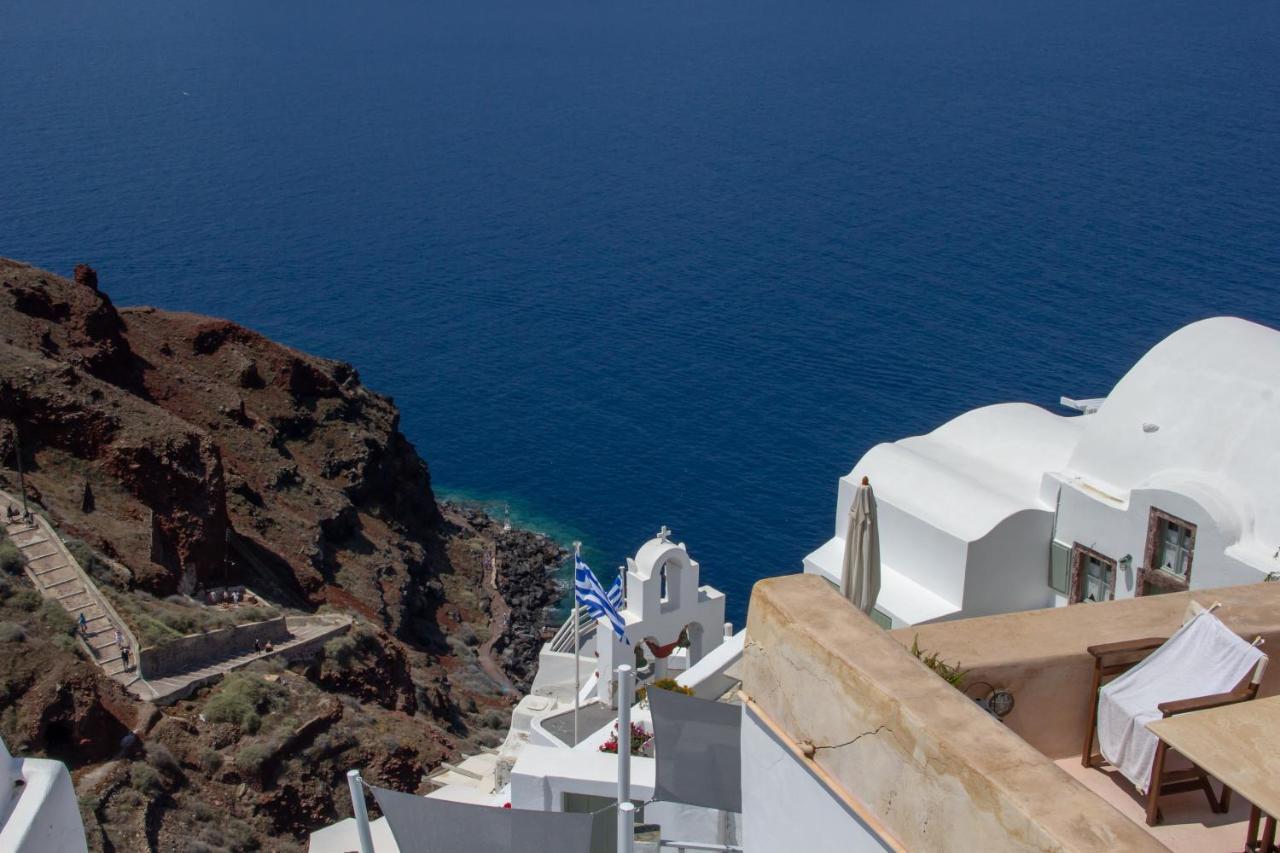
(577, 659)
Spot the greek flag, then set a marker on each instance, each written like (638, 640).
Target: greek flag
(591, 596)
(615, 594)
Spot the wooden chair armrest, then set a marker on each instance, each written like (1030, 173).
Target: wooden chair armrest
(1127, 646)
(1203, 703)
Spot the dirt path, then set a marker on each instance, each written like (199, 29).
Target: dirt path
(499, 615)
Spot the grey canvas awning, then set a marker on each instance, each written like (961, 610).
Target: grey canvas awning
(422, 825)
(698, 748)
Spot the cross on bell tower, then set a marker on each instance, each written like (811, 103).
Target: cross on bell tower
(665, 533)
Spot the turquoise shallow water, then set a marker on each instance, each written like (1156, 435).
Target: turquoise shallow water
(627, 264)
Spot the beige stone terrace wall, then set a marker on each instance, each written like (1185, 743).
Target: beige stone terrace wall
(1039, 655)
(196, 650)
(938, 772)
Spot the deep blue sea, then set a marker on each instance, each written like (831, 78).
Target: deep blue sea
(625, 264)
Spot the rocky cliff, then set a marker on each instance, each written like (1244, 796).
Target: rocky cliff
(195, 452)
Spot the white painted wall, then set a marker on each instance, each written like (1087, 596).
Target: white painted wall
(543, 775)
(786, 808)
(1008, 569)
(42, 816)
(709, 678)
(930, 556)
(7, 793)
(1117, 529)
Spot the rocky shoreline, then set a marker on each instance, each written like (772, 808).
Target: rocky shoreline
(527, 564)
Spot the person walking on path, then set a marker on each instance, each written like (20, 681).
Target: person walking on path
(84, 624)
(119, 638)
(124, 656)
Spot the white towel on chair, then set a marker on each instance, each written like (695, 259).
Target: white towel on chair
(1203, 658)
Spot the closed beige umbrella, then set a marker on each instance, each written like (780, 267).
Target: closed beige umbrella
(860, 572)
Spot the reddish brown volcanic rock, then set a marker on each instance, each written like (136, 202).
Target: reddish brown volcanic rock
(194, 451)
(182, 426)
(141, 463)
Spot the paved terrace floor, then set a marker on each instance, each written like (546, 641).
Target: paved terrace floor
(1189, 826)
(1040, 656)
(592, 717)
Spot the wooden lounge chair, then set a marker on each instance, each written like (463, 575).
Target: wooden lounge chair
(1111, 660)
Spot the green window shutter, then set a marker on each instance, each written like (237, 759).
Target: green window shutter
(1059, 566)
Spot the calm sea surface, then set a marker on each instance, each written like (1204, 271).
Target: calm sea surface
(632, 263)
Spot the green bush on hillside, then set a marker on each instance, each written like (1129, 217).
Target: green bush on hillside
(57, 619)
(252, 757)
(345, 649)
(18, 593)
(10, 558)
(144, 779)
(242, 698)
(25, 599)
(159, 757)
(210, 760)
(342, 651)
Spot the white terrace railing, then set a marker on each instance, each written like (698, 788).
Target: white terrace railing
(563, 639)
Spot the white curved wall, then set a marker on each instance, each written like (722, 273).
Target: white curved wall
(42, 814)
(1008, 569)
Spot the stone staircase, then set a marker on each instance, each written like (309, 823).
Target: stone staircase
(305, 634)
(57, 576)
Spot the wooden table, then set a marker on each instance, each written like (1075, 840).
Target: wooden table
(1239, 745)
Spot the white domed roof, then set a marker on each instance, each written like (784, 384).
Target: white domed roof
(1202, 407)
(974, 471)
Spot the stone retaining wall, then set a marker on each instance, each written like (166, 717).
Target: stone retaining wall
(196, 650)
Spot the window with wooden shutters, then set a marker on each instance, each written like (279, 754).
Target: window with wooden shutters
(1093, 575)
(1171, 544)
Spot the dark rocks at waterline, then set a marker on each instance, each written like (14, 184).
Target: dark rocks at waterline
(526, 579)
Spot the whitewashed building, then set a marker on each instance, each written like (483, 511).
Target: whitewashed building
(1168, 483)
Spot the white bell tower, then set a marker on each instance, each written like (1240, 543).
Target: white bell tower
(663, 601)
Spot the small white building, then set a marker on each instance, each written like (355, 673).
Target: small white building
(1168, 483)
(666, 605)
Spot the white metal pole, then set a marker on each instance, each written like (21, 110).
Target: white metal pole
(362, 813)
(626, 828)
(577, 650)
(626, 816)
